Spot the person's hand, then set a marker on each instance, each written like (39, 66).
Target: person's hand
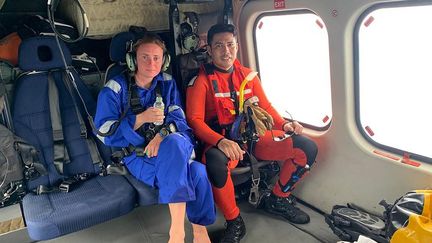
(231, 149)
(294, 127)
(149, 116)
(152, 147)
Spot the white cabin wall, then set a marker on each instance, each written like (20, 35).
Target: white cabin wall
(347, 171)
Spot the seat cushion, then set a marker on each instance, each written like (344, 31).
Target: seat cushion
(146, 194)
(91, 202)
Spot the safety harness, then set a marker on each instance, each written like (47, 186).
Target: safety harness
(61, 157)
(246, 139)
(148, 132)
(30, 156)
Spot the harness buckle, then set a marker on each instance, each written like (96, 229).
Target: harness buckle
(254, 195)
(83, 131)
(139, 152)
(66, 185)
(126, 151)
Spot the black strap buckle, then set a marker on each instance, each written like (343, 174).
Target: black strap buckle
(139, 152)
(127, 151)
(67, 184)
(83, 131)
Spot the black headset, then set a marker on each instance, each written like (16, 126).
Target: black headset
(131, 61)
(188, 32)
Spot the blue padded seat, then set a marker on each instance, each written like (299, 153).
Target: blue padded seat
(118, 48)
(92, 201)
(117, 53)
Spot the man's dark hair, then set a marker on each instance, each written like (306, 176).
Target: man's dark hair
(220, 28)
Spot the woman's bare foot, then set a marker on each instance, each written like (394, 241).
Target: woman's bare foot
(176, 237)
(200, 234)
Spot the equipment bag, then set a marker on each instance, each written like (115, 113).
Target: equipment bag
(9, 48)
(409, 219)
(349, 222)
(8, 74)
(11, 171)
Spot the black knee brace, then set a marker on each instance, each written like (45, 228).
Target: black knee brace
(310, 149)
(300, 171)
(308, 146)
(216, 164)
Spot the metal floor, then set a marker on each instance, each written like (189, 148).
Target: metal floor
(150, 224)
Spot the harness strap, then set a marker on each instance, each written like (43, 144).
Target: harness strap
(118, 155)
(66, 185)
(61, 156)
(134, 100)
(83, 128)
(233, 94)
(33, 168)
(254, 195)
(96, 158)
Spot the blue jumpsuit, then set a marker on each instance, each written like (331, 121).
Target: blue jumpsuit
(172, 171)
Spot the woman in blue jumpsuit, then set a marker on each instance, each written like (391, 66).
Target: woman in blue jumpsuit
(167, 160)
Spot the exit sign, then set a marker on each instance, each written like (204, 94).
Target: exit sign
(279, 4)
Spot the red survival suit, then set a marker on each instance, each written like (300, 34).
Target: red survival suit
(208, 100)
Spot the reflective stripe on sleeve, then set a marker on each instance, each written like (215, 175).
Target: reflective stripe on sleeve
(113, 85)
(167, 76)
(105, 128)
(176, 107)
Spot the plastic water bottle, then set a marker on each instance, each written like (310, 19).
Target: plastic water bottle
(159, 105)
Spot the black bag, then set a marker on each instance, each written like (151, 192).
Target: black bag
(19, 163)
(8, 74)
(12, 188)
(349, 222)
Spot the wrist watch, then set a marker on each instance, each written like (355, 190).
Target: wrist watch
(164, 132)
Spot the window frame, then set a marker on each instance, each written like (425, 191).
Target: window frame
(290, 12)
(356, 70)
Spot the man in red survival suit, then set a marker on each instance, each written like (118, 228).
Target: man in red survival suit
(211, 104)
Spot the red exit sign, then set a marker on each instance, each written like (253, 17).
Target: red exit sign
(279, 4)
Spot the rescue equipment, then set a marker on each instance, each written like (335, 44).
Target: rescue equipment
(249, 110)
(408, 220)
(237, 128)
(262, 119)
(348, 222)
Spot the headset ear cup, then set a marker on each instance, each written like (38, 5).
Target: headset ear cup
(131, 61)
(166, 62)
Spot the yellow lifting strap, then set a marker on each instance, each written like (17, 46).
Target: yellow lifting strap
(419, 227)
(248, 78)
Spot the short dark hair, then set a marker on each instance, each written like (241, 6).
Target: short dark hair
(220, 28)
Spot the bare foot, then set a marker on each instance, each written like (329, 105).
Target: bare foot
(200, 234)
(201, 238)
(176, 237)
